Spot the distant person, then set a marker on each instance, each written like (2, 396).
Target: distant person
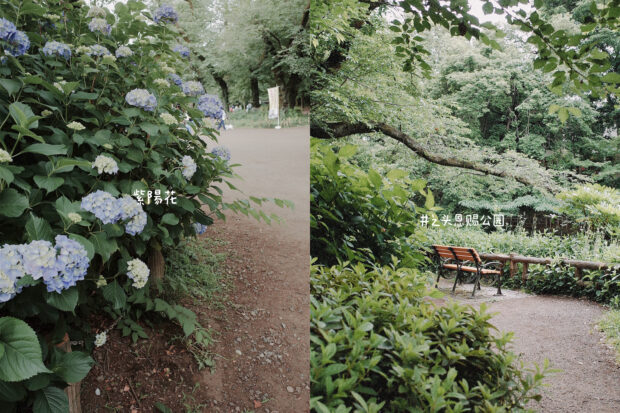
(248, 107)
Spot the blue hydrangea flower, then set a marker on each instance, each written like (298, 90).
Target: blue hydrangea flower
(221, 152)
(7, 30)
(131, 210)
(136, 224)
(103, 205)
(199, 228)
(98, 50)
(71, 265)
(11, 270)
(100, 25)
(18, 45)
(211, 106)
(182, 50)
(54, 48)
(123, 51)
(142, 98)
(165, 14)
(39, 259)
(192, 88)
(175, 78)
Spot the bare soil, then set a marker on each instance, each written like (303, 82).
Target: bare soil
(263, 350)
(562, 330)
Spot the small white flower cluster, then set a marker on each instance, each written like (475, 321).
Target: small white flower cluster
(167, 69)
(138, 272)
(76, 126)
(51, 17)
(168, 118)
(100, 339)
(96, 12)
(60, 84)
(83, 50)
(162, 82)
(108, 59)
(5, 156)
(74, 217)
(123, 51)
(105, 164)
(189, 167)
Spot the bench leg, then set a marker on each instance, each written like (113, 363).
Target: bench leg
(456, 279)
(438, 276)
(476, 284)
(499, 282)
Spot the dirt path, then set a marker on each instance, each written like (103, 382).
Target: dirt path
(562, 330)
(262, 351)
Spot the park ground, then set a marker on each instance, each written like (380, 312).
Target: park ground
(564, 331)
(259, 322)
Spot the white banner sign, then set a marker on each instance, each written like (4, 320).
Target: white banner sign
(274, 102)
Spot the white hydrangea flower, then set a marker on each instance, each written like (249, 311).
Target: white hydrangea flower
(168, 118)
(138, 272)
(5, 156)
(59, 85)
(74, 217)
(96, 12)
(105, 164)
(76, 126)
(83, 50)
(167, 69)
(162, 82)
(108, 59)
(100, 339)
(189, 167)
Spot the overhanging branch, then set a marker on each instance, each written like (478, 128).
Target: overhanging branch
(343, 129)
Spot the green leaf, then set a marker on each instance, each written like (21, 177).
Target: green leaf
(169, 219)
(22, 115)
(115, 294)
(563, 114)
(375, 178)
(51, 400)
(430, 200)
(38, 382)
(103, 245)
(487, 8)
(22, 352)
(12, 86)
(46, 149)
(163, 408)
(12, 203)
(38, 229)
(150, 128)
(12, 392)
(611, 77)
(73, 366)
(6, 175)
(49, 183)
(64, 301)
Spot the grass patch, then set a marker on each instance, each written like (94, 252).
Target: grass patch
(193, 270)
(258, 118)
(610, 325)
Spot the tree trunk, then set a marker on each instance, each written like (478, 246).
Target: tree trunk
(73, 389)
(156, 263)
(292, 87)
(255, 91)
(224, 88)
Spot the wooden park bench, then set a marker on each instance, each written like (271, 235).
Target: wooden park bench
(462, 260)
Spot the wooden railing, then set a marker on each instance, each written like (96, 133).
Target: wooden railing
(513, 259)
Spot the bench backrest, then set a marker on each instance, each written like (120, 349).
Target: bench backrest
(457, 253)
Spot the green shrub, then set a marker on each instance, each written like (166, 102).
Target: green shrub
(595, 204)
(378, 344)
(90, 115)
(363, 216)
(610, 325)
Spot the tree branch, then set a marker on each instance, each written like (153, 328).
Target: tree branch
(343, 129)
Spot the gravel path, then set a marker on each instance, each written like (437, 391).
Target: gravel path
(263, 347)
(564, 331)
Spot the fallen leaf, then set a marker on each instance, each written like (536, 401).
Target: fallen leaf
(257, 404)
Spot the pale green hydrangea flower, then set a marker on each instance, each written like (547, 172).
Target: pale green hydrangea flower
(76, 126)
(46, 112)
(138, 272)
(162, 82)
(105, 164)
(5, 156)
(168, 118)
(74, 217)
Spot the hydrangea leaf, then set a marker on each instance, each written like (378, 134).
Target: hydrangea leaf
(73, 366)
(12, 203)
(22, 352)
(38, 228)
(65, 301)
(51, 400)
(115, 294)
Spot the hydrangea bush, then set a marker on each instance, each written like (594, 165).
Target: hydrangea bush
(90, 137)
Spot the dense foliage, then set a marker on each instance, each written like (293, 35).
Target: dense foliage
(103, 161)
(377, 344)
